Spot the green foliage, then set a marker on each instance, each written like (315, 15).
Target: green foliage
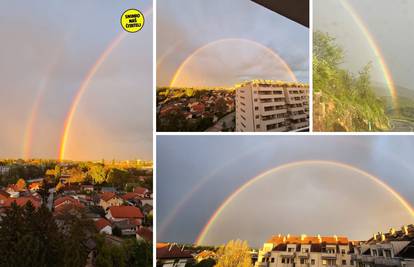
(98, 173)
(129, 253)
(349, 100)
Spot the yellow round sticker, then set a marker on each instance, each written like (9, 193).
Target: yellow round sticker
(132, 20)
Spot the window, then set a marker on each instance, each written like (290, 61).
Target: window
(313, 261)
(342, 251)
(258, 126)
(290, 249)
(343, 262)
(263, 260)
(255, 100)
(283, 260)
(374, 252)
(324, 262)
(302, 261)
(273, 260)
(256, 108)
(257, 116)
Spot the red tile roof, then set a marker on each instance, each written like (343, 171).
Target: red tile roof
(131, 195)
(21, 201)
(140, 190)
(102, 223)
(126, 212)
(64, 199)
(145, 233)
(106, 196)
(172, 251)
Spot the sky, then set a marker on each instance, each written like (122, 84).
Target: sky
(198, 173)
(47, 49)
(183, 26)
(390, 25)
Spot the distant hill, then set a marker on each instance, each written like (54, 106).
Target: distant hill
(405, 101)
(382, 90)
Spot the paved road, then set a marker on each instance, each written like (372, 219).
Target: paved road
(50, 199)
(401, 126)
(228, 119)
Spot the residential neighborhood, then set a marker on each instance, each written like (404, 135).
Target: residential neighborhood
(194, 109)
(114, 202)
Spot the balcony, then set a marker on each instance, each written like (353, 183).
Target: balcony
(302, 254)
(298, 116)
(386, 261)
(287, 254)
(367, 258)
(295, 109)
(326, 255)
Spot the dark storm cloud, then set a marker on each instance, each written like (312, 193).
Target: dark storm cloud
(207, 21)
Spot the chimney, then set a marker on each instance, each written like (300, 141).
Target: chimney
(405, 229)
(382, 237)
(319, 238)
(302, 237)
(392, 231)
(374, 236)
(336, 238)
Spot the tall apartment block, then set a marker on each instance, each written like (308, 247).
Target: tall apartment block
(266, 105)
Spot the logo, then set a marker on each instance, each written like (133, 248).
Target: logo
(132, 20)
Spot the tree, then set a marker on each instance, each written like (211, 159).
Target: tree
(98, 173)
(77, 175)
(234, 254)
(21, 184)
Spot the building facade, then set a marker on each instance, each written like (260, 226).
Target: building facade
(265, 105)
(304, 251)
(394, 248)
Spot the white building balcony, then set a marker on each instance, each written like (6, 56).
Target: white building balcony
(287, 254)
(302, 254)
(325, 255)
(386, 261)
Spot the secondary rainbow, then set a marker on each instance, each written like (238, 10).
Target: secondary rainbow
(376, 49)
(216, 42)
(229, 199)
(84, 86)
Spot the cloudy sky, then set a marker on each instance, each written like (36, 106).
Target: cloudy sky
(183, 26)
(46, 51)
(196, 174)
(390, 25)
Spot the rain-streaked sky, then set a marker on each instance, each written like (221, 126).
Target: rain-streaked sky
(391, 26)
(197, 173)
(183, 26)
(46, 50)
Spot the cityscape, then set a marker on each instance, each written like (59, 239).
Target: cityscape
(243, 201)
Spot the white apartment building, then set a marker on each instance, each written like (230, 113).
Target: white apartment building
(304, 251)
(394, 248)
(266, 105)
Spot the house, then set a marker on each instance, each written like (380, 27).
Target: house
(144, 234)
(173, 255)
(131, 196)
(13, 190)
(3, 196)
(66, 203)
(125, 213)
(141, 191)
(103, 226)
(127, 227)
(109, 199)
